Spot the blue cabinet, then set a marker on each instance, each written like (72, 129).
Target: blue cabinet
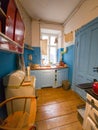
(47, 78)
(44, 78)
(36, 73)
(62, 74)
(50, 78)
(86, 46)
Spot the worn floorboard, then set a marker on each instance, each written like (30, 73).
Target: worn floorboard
(57, 109)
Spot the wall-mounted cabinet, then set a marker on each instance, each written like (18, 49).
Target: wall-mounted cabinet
(12, 29)
(86, 56)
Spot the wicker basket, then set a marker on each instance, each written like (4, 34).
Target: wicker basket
(66, 84)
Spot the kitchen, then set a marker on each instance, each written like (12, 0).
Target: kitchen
(80, 26)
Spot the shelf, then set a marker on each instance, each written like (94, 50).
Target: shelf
(7, 44)
(81, 112)
(2, 14)
(4, 38)
(28, 47)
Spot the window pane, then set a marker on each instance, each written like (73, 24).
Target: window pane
(45, 37)
(53, 55)
(52, 40)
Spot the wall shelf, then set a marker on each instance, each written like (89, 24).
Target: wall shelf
(2, 14)
(9, 45)
(28, 47)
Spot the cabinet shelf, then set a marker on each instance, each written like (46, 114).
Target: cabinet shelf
(2, 14)
(4, 38)
(8, 44)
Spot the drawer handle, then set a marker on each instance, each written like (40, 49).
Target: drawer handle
(96, 117)
(92, 103)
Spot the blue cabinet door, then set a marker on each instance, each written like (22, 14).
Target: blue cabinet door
(44, 78)
(83, 50)
(47, 78)
(62, 74)
(36, 73)
(86, 52)
(93, 60)
(81, 60)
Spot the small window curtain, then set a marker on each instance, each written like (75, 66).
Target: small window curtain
(43, 44)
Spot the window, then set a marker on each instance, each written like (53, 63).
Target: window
(50, 41)
(51, 50)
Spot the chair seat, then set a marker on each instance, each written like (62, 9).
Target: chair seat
(20, 120)
(17, 120)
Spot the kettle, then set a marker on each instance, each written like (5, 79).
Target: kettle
(95, 86)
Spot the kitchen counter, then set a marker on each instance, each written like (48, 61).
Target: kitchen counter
(48, 67)
(88, 88)
(49, 77)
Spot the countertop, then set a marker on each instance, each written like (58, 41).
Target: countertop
(88, 88)
(48, 67)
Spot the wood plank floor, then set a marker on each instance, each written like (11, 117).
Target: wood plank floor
(57, 109)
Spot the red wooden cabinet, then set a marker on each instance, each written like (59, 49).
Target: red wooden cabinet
(14, 30)
(10, 20)
(19, 31)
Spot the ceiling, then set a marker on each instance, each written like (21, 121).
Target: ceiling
(57, 11)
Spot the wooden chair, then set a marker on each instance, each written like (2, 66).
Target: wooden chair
(19, 119)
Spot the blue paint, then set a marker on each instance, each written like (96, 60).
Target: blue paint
(8, 63)
(36, 56)
(68, 58)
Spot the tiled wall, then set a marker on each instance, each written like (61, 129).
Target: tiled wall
(8, 63)
(36, 56)
(69, 60)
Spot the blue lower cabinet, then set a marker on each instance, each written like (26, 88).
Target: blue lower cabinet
(36, 73)
(62, 74)
(44, 78)
(47, 78)
(50, 78)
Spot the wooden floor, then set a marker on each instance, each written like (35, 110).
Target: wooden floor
(57, 109)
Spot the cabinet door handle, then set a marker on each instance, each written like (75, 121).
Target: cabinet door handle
(96, 117)
(92, 103)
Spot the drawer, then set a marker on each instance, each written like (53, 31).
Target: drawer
(92, 100)
(93, 108)
(90, 125)
(93, 114)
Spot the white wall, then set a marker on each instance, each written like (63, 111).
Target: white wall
(35, 33)
(36, 25)
(54, 27)
(87, 12)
